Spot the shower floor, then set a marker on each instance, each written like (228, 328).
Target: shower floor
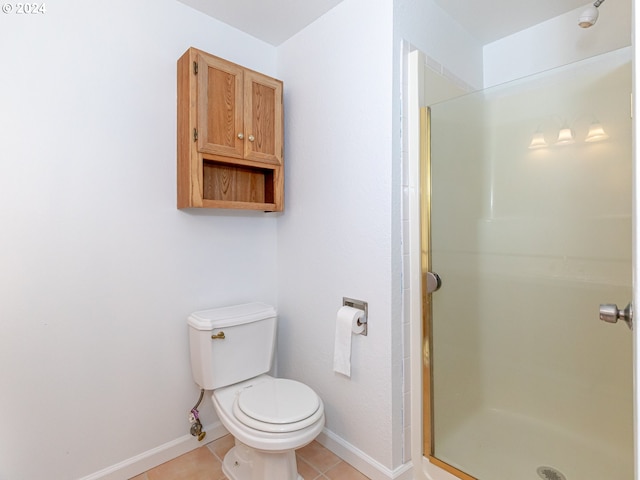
(499, 445)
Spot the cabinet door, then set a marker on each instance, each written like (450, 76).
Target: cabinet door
(263, 118)
(219, 105)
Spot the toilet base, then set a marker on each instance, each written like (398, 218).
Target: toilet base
(245, 463)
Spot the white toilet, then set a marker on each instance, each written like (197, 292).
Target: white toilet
(231, 351)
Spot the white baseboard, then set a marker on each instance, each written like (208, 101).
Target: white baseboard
(152, 458)
(361, 461)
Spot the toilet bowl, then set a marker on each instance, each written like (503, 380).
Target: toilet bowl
(269, 418)
(290, 416)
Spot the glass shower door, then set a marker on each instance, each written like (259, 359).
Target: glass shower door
(530, 231)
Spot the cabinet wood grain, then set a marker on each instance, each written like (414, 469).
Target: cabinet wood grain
(230, 135)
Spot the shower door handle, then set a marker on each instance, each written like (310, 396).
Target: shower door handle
(610, 313)
(433, 282)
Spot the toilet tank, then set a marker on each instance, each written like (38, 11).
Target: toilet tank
(231, 344)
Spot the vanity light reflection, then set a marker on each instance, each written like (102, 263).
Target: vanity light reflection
(566, 136)
(596, 133)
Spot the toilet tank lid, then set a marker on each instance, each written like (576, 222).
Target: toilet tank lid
(229, 316)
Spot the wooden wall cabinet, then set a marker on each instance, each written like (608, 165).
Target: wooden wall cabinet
(230, 135)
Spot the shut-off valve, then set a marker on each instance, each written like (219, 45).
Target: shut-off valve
(194, 420)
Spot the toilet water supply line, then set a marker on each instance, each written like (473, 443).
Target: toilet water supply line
(194, 420)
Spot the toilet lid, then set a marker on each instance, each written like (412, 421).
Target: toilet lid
(278, 401)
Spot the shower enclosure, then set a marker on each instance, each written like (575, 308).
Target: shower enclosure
(528, 197)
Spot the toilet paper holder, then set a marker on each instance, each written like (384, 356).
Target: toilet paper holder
(360, 305)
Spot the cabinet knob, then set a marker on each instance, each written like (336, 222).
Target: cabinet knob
(251, 138)
(241, 135)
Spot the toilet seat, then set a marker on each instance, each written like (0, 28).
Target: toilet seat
(277, 405)
(224, 402)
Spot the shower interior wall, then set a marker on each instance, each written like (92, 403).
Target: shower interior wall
(530, 308)
(525, 53)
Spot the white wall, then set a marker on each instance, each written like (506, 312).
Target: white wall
(557, 42)
(335, 237)
(98, 268)
(430, 29)
(340, 234)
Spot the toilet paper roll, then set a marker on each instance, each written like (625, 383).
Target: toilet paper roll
(346, 324)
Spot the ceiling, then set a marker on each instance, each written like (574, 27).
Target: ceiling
(274, 21)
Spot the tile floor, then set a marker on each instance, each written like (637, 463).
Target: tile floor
(315, 462)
